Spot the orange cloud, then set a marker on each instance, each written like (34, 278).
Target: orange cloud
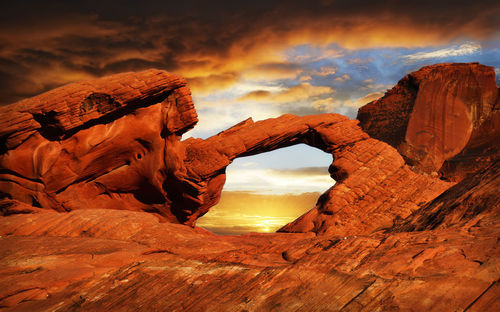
(273, 71)
(256, 95)
(301, 92)
(210, 44)
(364, 100)
(325, 105)
(298, 93)
(207, 84)
(342, 78)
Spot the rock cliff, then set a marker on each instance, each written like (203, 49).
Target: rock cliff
(442, 118)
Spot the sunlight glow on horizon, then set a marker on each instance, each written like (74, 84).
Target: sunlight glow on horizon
(267, 191)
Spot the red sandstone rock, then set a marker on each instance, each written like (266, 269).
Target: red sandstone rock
(206, 160)
(90, 260)
(436, 113)
(371, 176)
(109, 143)
(378, 185)
(122, 151)
(388, 241)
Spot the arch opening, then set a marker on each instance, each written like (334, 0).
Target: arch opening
(264, 192)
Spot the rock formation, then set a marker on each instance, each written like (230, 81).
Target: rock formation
(114, 143)
(90, 172)
(371, 176)
(107, 143)
(90, 260)
(440, 117)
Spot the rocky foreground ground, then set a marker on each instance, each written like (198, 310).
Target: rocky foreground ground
(100, 199)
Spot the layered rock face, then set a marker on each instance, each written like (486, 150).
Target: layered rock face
(109, 143)
(90, 171)
(90, 260)
(443, 118)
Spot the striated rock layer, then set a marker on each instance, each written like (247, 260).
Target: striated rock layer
(110, 143)
(370, 174)
(94, 260)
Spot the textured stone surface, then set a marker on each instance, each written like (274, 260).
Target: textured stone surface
(435, 113)
(378, 190)
(131, 158)
(90, 260)
(66, 110)
(107, 143)
(459, 205)
(206, 160)
(370, 174)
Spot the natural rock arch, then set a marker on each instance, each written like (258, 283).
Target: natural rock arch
(362, 167)
(115, 143)
(206, 160)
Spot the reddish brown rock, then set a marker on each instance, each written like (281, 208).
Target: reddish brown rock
(206, 160)
(391, 238)
(371, 176)
(90, 260)
(109, 143)
(473, 201)
(436, 113)
(378, 185)
(127, 155)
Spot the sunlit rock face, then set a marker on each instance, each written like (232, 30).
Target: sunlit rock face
(114, 143)
(111, 143)
(371, 176)
(439, 116)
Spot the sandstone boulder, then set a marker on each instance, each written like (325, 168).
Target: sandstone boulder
(107, 143)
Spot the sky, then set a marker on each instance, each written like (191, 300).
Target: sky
(243, 59)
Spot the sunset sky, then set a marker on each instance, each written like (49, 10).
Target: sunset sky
(245, 59)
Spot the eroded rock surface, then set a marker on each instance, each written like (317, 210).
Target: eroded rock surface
(441, 117)
(107, 143)
(371, 176)
(114, 143)
(90, 260)
(88, 172)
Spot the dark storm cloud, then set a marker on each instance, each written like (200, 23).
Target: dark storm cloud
(49, 43)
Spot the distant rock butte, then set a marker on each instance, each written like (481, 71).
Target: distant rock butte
(443, 117)
(391, 234)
